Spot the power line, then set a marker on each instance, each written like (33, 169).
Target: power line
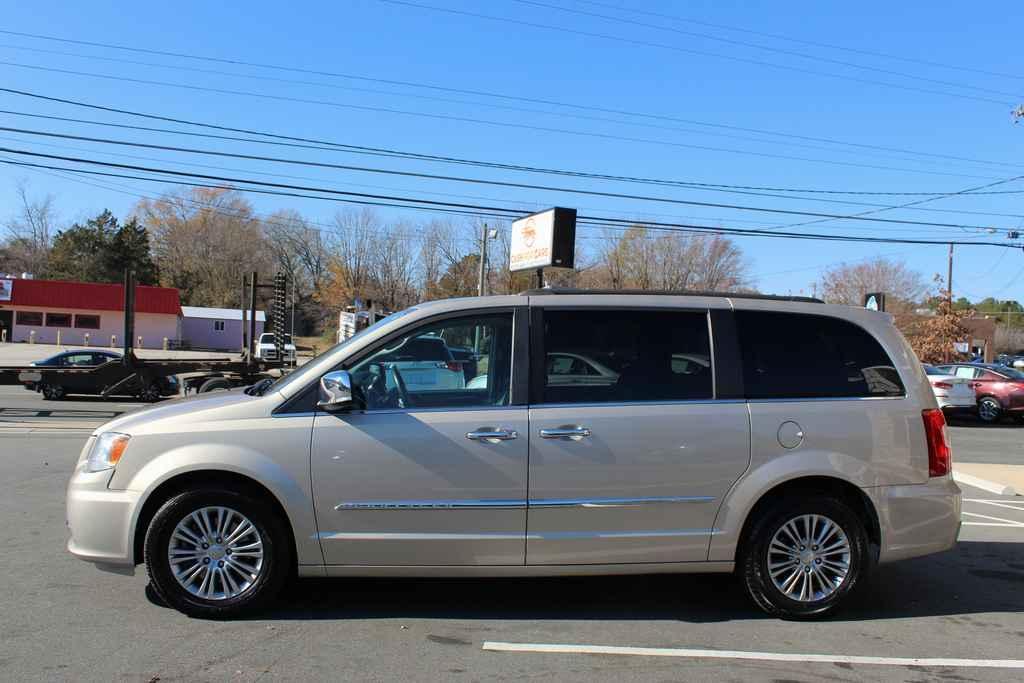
(463, 91)
(702, 53)
(911, 204)
(804, 41)
(278, 139)
(765, 48)
(483, 211)
(463, 179)
(786, 136)
(493, 182)
(479, 121)
(528, 110)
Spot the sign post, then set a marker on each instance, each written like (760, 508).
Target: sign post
(543, 239)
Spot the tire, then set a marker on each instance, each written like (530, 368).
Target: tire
(214, 384)
(250, 582)
(52, 392)
(150, 393)
(827, 587)
(989, 410)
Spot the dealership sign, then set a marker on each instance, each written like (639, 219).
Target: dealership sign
(6, 289)
(544, 239)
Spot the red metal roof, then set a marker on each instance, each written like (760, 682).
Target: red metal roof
(92, 295)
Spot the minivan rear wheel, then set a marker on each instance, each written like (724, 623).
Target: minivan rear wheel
(803, 558)
(215, 553)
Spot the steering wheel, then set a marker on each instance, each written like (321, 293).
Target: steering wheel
(403, 393)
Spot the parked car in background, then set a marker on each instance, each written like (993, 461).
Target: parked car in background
(808, 449)
(81, 358)
(1011, 360)
(954, 394)
(417, 364)
(85, 358)
(998, 389)
(266, 350)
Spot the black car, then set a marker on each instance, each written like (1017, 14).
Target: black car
(85, 358)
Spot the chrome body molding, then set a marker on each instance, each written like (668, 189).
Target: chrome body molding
(489, 536)
(616, 502)
(466, 504)
(517, 504)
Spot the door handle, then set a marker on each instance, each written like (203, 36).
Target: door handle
(492, 435)
(573, 433)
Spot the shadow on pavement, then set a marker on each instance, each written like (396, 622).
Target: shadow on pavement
(1007, 423)
(57, 413)
(974, 578)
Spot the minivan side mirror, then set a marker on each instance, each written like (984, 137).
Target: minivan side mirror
(336, 392)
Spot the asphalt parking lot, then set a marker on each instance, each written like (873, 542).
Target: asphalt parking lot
(61, 619)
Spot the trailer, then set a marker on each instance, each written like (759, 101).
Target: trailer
(141, 377)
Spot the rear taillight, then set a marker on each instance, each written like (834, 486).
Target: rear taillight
(940, 454)
(942, 385)
(454, 365)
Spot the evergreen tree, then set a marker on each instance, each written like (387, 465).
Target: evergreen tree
(99, 251)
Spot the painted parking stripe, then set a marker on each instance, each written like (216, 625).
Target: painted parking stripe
(552, 648)
(1011, 526)
(1011, 522)
(999, 504)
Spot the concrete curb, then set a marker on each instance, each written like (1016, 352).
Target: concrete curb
(983, 484)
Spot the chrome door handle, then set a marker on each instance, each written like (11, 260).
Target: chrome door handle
(574, 433)
(492, 435)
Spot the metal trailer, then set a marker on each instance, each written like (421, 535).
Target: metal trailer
(141, 377)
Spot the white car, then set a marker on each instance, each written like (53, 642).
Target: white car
(952, 392)
(265, 349)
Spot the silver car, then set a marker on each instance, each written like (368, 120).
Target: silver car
(798, 446)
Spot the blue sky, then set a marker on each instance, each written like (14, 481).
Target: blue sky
(659, 69)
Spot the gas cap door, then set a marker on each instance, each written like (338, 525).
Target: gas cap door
(791, 434)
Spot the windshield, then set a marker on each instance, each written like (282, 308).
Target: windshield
(268, 338)
(932, 370)
(326, 361)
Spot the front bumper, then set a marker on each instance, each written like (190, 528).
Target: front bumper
(100, 520)
(917, 519)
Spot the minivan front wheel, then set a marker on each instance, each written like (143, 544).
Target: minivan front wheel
(803, 558)
(216, 553)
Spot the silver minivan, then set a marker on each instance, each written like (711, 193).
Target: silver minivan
(798, 445)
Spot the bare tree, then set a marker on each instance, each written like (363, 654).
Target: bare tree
(637, 259)
(394, 267)
(847, 284)
(30, 233)
(205, 240)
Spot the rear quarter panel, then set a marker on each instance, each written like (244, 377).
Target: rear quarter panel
(867, 442)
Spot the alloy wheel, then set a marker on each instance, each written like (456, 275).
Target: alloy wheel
(216, 553)
(988, 409)
(809, 558)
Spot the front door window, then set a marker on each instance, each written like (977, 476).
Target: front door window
(454, 363)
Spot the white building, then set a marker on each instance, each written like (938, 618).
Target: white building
(218, 329)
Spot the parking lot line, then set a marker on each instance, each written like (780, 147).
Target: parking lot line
(1008, 522)
(760, 656)
(998, 503)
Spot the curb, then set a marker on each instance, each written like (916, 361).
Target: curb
(984, 484)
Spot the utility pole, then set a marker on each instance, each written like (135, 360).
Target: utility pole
(949, 278)
(482, 277)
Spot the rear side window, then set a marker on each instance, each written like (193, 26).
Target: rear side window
(601, 355)
(791, 355)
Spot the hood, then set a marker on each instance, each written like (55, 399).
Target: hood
(214, 405)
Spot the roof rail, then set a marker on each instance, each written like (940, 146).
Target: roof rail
(667, 292)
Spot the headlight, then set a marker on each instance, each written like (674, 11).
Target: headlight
(107, 450)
